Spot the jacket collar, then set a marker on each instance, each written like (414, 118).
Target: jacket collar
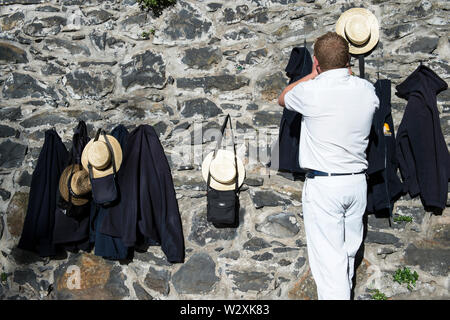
(334, 73)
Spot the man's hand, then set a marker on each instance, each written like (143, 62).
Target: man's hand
(314, 73)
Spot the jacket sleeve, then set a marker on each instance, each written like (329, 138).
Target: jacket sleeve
(406, 156)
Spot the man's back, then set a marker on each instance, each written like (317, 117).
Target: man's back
(337, 114)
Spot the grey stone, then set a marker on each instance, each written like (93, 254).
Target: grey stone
(19, 85)
(84, 84)
(213, 7)
(381, 238)
(221, 82)
(52, 69)
(399, 31)
(202, 58)
(6, 2)
(158, 280)
(200, 106)
(425, 45)
(116, 283)
(12, 154)
(186, 24)
(233, 255)
(207, 133)
(6, 131)
(45, 26)
(250, 280)
(230, 106)
(68, 46)
(10, 22)
(254, 57)
(12, 54)
(256, 244)
(189, 280)
(280, 225)
(25, 179)
(5, 194)
(268, 199)
(45, 118)
(252, 106)
(47, 8)
(433, 260)
(98, 16)
(10, 113)
(272, 85)
(300, 262)
(140, 292)
(98, 39)
(203, 232)
(150, 257)
(26, 276)
(267, 118)
(241, 34)
(254, 181)
(146, 69)
(263, 257)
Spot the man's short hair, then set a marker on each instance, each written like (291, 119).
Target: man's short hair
(331, 51)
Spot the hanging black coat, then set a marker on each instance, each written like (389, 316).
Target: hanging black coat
(72, 233)
(148, 210)
(37, 232)
(384, 186)
(107, 246)
(299, 65)
(421, 149)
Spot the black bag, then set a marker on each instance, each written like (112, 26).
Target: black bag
(223, 206)
(105, 189)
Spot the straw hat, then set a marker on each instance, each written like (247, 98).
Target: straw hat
(79, 183)
(360, 28)
(223, 170)
(98, 155)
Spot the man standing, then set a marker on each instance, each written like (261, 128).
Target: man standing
(337, 111)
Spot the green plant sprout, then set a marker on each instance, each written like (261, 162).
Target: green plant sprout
(157, 6)
(3, 276)
(400, 218)
(378, 295)
(406, 276)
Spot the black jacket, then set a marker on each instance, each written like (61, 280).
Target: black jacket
(37, 232)
(148, 210)
(299, 65)
(383, 186)
(421, 149)
(72, 233)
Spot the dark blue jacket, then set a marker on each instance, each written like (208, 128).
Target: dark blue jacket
(421, 149)
(37, 232)
(107, 246)
(147, 213)
(299, 65)
(383, 186)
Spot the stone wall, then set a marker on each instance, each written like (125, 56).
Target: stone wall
(108, 62)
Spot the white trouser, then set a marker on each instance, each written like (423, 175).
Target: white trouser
(333, 209)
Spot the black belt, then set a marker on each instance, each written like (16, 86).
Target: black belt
(315, 173)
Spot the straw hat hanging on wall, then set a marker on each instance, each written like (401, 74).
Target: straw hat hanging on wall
(223, 170)
(79, 183)
(360, 28)
(99, 156)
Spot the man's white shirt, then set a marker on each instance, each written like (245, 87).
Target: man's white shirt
(337, 111)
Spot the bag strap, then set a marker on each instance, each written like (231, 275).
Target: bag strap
(110, 150)
(219, 142)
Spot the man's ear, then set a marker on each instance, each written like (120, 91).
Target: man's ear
(316, 64)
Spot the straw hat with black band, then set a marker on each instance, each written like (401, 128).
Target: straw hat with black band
(74, 185)
(103, 155)
(225, 171)
(360, 28)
